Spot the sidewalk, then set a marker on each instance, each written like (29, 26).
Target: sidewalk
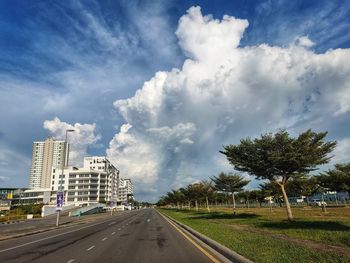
(33, 226)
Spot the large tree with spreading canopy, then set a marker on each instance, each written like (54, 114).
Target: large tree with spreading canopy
(279, 157)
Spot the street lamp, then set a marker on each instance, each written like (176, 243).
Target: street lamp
(60, 192)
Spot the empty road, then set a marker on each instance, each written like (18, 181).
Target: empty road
(135, 236)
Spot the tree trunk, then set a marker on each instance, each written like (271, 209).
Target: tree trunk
(196, 202)
(233, 202)
(285, 197)
(178, 205)
(206, 198)
(323, 205)
(189, 205)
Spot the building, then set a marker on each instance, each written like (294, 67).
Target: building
(7, 195)
(47, 155)
(125, 190)
(97, 181)
(32, 196)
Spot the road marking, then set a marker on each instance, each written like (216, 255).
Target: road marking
(90, 248)
(113, 233)
(111, 223)
(70, 261)
(46, 238)
(192, 241)
(119, 228)
(105, 238)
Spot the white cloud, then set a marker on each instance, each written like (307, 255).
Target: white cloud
(304, 41)
(134, 157)
(224, 92)
(342, 151)
(84, 135)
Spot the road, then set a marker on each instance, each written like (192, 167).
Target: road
(135, 236)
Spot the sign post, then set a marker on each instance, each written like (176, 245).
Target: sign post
(59, 203)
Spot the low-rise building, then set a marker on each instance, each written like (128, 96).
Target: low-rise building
(96, 181)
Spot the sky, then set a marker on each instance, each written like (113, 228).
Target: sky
(160, 86)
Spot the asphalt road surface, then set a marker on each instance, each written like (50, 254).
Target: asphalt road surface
(136, 236)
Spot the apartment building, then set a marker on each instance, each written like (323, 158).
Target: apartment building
(46, 155)
(97, 181)
(125, 190)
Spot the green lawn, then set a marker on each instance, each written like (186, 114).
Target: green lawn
(265, 236)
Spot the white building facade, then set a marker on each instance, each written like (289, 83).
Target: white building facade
(125, 191)
(97, 181)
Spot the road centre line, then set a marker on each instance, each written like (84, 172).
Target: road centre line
(90, 248)
(105, 238)
(46, 238)
(71, 260)
(113, 233)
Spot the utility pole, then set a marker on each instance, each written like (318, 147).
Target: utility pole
(60, 192)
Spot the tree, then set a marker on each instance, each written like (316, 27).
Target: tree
(195, 193)
(186, 195)
(229, 183)
(337, 179)
(303, 186)
(207, 190)
(278, 157)
(258, 196)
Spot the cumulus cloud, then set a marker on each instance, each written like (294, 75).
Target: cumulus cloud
(134, 157)
(181, 118)
(342, 151)
(84, 135)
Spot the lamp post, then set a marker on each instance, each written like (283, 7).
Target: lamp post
(60, 192)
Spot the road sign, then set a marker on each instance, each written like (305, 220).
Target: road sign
(59, 201)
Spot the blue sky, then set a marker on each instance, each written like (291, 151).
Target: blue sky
(136, 79)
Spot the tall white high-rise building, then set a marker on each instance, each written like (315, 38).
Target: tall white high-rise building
(46, 155)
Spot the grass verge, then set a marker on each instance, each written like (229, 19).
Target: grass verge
(256, 246)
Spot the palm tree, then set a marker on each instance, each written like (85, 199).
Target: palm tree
(229, 183)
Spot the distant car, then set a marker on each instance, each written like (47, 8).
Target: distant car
(318, 202)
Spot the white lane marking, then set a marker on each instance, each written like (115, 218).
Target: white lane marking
(113, 233)
(148, 220)
(105, 238)
(71, 260)
(90, 248)
(119, 228)
(46, 238)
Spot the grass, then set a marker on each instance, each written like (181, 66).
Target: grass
(265, 236)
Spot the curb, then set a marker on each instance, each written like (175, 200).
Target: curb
(39, 231)
(217, 247)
